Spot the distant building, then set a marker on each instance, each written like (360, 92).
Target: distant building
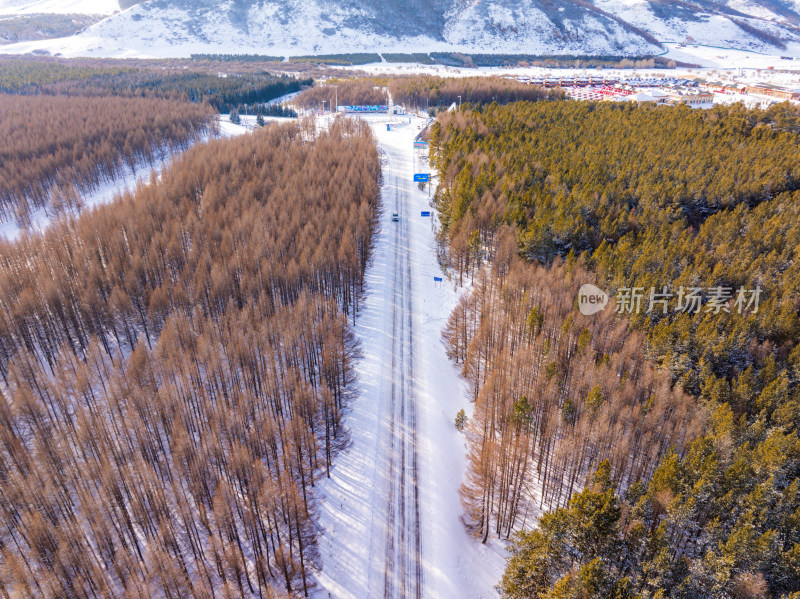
(692, 98)
(660, 95)
(643, 98)
(772, 91)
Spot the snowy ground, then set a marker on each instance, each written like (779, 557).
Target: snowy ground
(715, 57)
(392, 530)
(105, 193)
(246, 123)
(283, 99)
(108, 190)
(89, 7)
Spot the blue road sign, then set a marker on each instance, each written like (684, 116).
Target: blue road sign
(422, 177)
(365, 109)
(425, 213)
(437, 279)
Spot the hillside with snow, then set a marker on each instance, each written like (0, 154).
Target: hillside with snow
(60, 7)
(164, 28)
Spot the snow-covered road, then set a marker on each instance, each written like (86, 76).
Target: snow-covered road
(402, 565)
(390, 510)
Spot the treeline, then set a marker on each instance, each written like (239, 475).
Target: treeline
(760, 34)
(57, 148)
(185, 470)
(184, 244)
(210, 66)
(459, 59)
(721, 522)
(430, 90)
(573, 175)
(237, 57)
(555, 393)
(422, 90)
(21, 28)
(350, 92)
(280, 110)
(222, 91)
(415, 57)
(658, 199)
(354, 58)
(175, 369)
(600, 62)
(262, 110)
(654, 197)
(27, 76)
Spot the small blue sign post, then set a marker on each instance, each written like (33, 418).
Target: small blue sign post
(425, 213)
(422, 177)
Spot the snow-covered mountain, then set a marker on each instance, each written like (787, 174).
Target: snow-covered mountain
(292, 27)
(60, 7)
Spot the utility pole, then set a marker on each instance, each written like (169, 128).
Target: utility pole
(336, 106)
(459, 102)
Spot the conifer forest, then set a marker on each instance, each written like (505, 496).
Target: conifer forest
(307, 352)
(175, 368)
(663, 447)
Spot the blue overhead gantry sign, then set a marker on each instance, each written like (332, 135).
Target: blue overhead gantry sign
(365, 109)
(422, 177)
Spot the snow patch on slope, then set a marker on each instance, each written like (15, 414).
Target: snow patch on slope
(61, 7)
(521, 27)
(110, 189)
(678, 25)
